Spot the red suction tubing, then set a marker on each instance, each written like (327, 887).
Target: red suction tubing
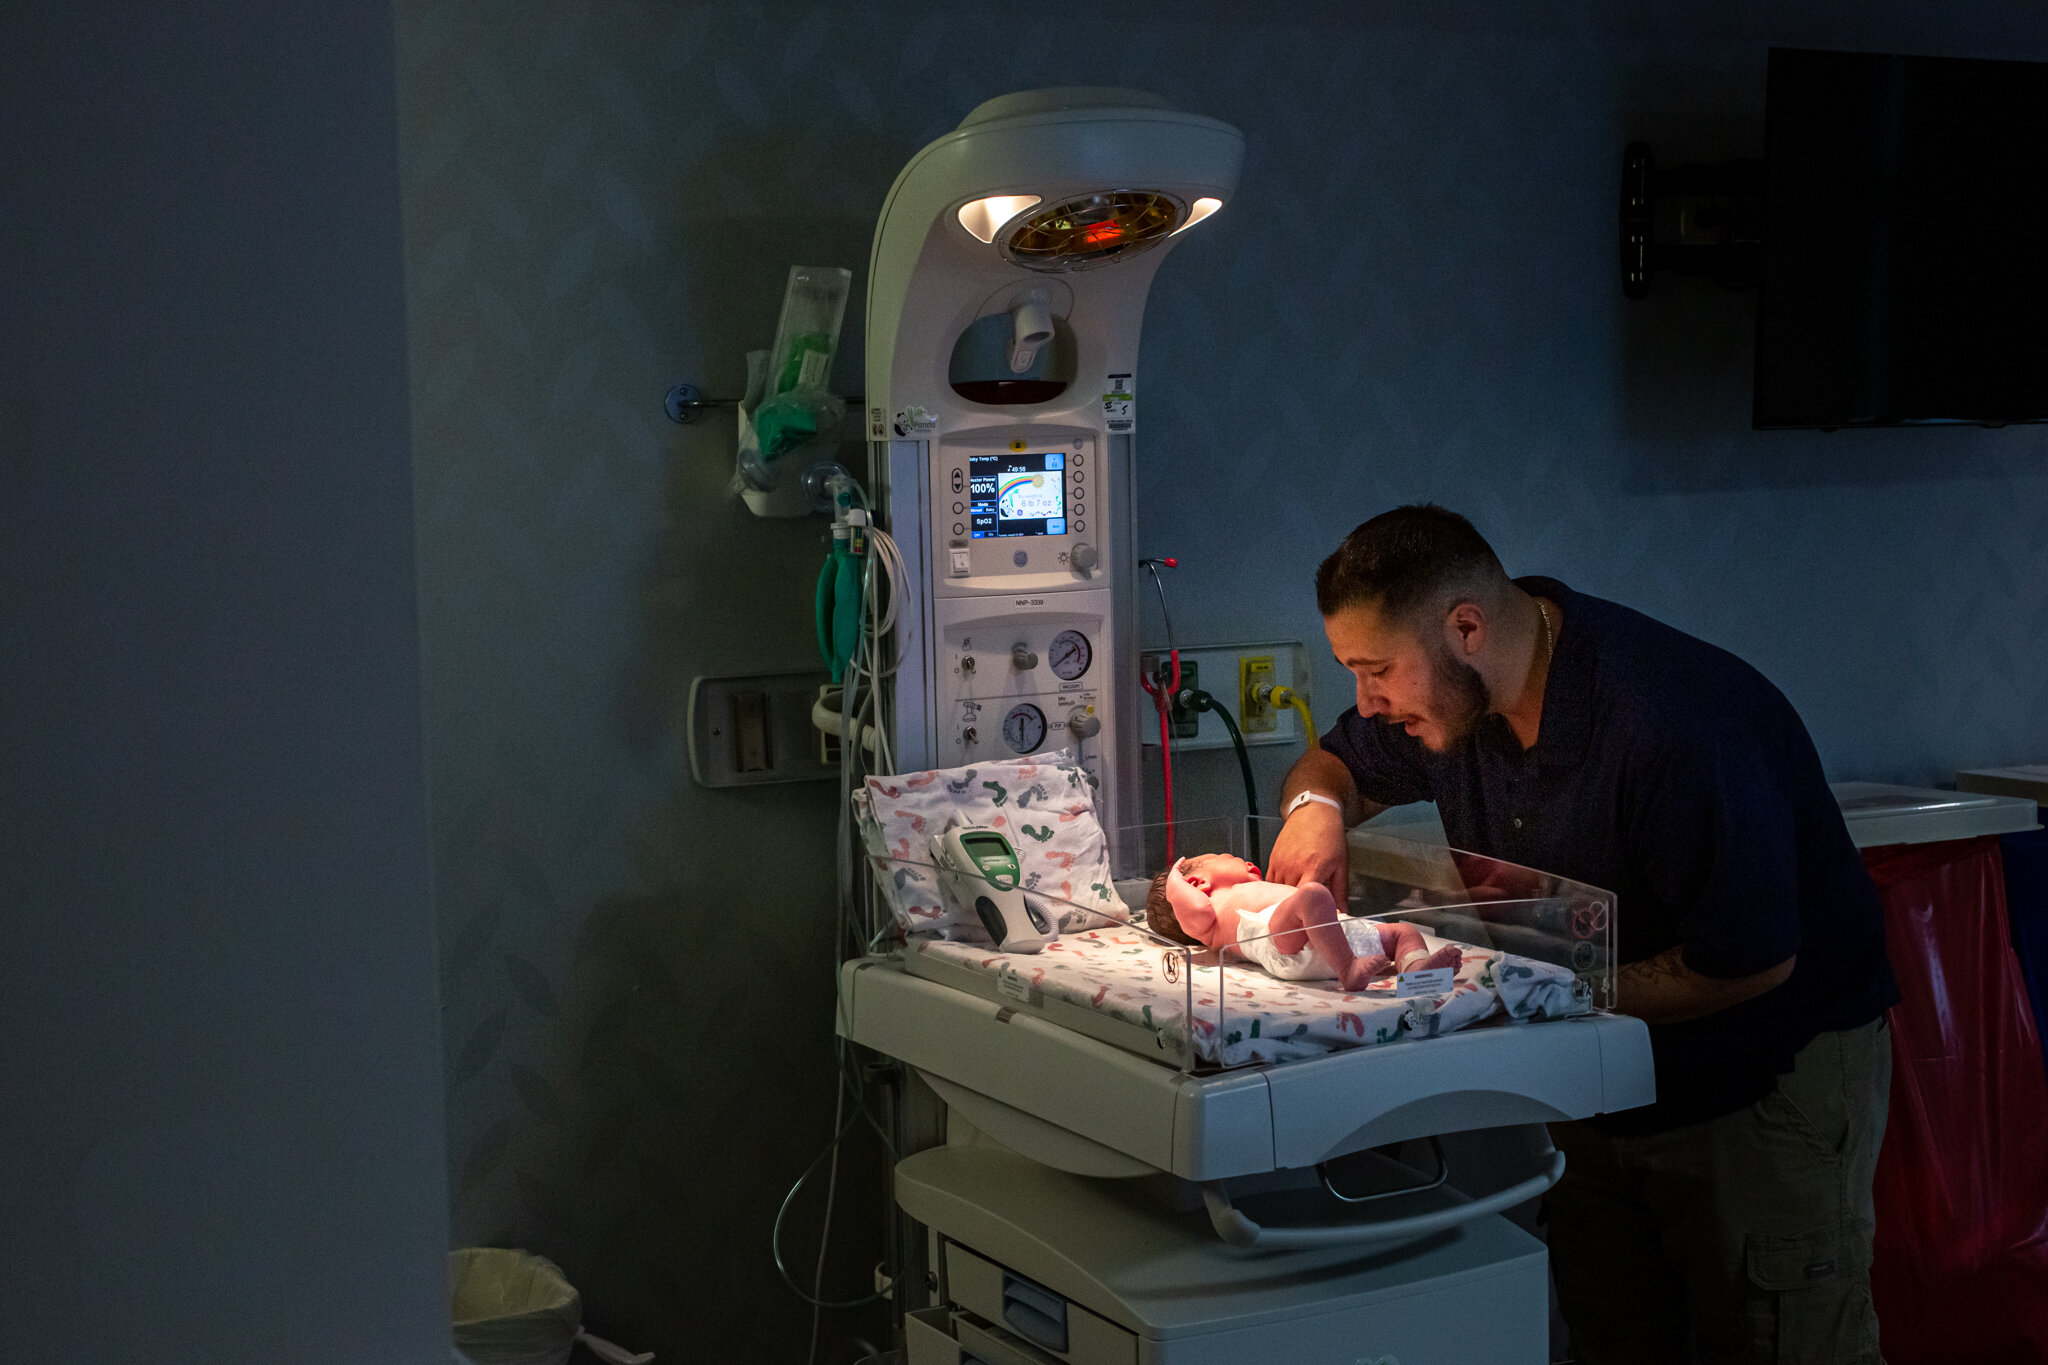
(1162, 698)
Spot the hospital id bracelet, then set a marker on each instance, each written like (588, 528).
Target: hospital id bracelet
(1303, 798)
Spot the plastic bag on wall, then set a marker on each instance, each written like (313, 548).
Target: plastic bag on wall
(789, 411)
(1961, 1254)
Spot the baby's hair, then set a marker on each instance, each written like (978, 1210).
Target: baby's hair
(1159, 911)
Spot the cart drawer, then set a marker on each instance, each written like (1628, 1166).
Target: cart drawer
(1028, 1312)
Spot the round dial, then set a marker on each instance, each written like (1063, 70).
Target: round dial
(1024, 728)
(1069, 654)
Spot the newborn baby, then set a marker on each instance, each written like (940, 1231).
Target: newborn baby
(1294, 932)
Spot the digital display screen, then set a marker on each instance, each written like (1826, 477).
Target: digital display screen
(1023, 494)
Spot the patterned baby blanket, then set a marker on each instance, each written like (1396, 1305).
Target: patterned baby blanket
(1044, 805)
(1231, 1014)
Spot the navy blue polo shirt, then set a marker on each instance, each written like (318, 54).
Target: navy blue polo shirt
(1676, 776)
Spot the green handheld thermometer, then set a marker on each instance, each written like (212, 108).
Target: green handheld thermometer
(978, 868)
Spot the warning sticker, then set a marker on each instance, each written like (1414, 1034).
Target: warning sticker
(1011, 982)
(1435, 981)
(1120, 403)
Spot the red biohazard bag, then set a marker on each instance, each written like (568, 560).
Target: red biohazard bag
(1960, 1271)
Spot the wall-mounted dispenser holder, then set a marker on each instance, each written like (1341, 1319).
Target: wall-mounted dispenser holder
(755, 730)
(801, 495)
(685, 403)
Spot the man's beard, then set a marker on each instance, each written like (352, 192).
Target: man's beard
(1457, 694)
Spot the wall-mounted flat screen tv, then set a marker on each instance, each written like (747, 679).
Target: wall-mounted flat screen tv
(1905, 276)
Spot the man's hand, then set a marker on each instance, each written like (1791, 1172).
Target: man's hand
(1310, 848)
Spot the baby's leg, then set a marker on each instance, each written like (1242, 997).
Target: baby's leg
(1411, 954)
(1303, 918)
(1293, 917)
(1314, 911)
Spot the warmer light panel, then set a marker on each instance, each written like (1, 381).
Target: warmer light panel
(1202, 209)
(983, 216)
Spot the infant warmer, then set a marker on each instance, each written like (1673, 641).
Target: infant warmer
(1007, 288)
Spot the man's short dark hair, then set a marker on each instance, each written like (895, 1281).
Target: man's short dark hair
(1407, 561)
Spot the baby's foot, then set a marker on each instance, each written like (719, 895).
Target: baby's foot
(1447, 956)
(1366, 969)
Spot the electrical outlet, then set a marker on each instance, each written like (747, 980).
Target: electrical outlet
(1255, 717)
(1281, 663)
(1186, 723)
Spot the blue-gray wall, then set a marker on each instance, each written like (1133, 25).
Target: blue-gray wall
(220, 1081)
(1413, 296)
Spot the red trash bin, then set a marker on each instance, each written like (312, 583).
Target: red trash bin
(1960, 1271)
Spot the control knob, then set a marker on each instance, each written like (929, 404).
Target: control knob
(1082, 723)
(1021, 655)
(1083, 557)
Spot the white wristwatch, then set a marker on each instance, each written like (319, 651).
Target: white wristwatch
(1303, 798)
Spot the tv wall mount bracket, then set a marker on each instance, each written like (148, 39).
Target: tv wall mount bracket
(1704, 219)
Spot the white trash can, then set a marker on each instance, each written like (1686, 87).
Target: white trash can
(515, 1308)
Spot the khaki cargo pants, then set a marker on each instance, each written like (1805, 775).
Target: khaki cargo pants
(1745, 1238)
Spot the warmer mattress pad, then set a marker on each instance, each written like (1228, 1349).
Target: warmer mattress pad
(1128, 989)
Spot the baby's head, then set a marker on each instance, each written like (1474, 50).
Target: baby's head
(1211, 872)
(1159, 916)
(1178, 908)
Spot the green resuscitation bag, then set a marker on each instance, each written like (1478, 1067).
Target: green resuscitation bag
(515, 1308)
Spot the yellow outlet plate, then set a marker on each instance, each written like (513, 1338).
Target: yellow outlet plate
(1255, 717)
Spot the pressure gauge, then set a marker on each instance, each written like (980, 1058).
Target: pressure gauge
(1069, 654)
(1024, 728)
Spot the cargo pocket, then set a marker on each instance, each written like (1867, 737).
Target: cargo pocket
(1809, 1104)
(1810, 1300)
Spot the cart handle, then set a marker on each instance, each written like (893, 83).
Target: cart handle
(1239, 1231)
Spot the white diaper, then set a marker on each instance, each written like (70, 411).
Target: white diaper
(1305, 965)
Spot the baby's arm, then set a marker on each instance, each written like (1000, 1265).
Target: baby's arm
(1196, 916)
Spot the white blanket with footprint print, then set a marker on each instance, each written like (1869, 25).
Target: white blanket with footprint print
(1045, 805)
(1236, 1014)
